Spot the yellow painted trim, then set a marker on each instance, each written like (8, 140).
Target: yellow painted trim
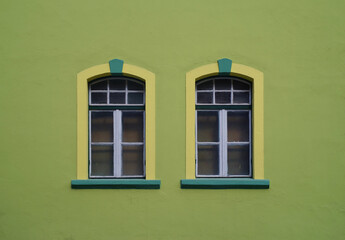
(82, 114)
(248, 73)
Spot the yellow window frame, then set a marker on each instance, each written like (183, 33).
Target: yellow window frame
(103, 70)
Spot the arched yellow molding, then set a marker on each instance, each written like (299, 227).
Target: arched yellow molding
(239, 70)
(82, 114)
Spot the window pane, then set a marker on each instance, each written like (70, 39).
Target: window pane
(223, 97)
(238, 126)
(208, 85)
(241, 97)
(238, 160)
(222, 84)
(101, 160)
(205, 97)
(117, 84)
(117, 98)
(208, 126)
(101, 126)
(98, 97)
(132, 160)
(135, 86)
(135, 98)
(99, 86)
(237, 85)
(208, 160)
(132, 126)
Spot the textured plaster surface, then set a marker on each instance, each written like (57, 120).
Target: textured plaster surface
(298, 45)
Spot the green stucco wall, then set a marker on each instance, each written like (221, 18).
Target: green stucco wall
(298, 45)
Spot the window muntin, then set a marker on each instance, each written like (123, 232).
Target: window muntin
(223, 91)
(223, 128)
(116, 91)
(116, 139)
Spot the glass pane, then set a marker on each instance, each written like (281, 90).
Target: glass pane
(117, 84)
(117, 98)
(238, 126)
(99, 85)
(241, 97)
(208, 126)
(208, 160)
(132, 85)
(102, 160)
(135, 98)
(237, 85)
(98, 98)
(223, 97)
(101, 126)
(205, 97)
(132, 126)
(222, 84)
(132, 160)
(238, 160)
(208, 85)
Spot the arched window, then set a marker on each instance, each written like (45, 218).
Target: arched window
(116, 128)
(223, 127)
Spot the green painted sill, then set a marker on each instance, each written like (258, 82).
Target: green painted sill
(115, 184)
(225, 183)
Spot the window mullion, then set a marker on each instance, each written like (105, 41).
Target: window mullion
(114, 142)
(223, 143)
(119, 143)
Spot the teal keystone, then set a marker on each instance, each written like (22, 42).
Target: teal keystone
(116, 66)
(224, 66)
(225, 183)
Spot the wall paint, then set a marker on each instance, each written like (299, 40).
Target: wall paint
(298, 45)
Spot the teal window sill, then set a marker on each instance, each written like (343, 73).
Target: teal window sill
(225, 183)
(115, 184)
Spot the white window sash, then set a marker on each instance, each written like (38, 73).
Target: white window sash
(223, 143)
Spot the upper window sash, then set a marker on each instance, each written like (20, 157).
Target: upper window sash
(223, 91)
(116, 91)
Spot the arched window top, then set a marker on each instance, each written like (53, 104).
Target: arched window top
(222, 90)
(115, 91)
